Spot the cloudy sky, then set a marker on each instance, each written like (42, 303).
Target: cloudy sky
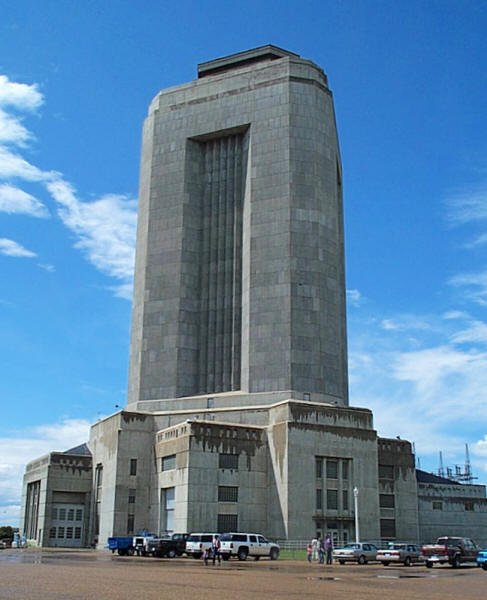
(410, 88)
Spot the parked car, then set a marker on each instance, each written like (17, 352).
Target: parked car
(123, 545)
(242, 545)
(359, 552)
(197, 543)
(450, 550)
(403, 553)
(482, 559)
(168, 546)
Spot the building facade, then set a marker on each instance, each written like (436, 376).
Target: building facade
(238, 414)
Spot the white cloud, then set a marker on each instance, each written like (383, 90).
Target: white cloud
(105, 229)
(19, 449)
(354, 298)
(11, 248)
(468, 206)
(476, 333)
(15, 200)
(405, 323)
(475, 285)
(19, 95)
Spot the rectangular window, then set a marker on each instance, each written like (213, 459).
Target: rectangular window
(469, 505)
(345, 499)
(386, 500)
(69, 533)
(54, 514)
(77, 533)
(319, 467)
(332, 469)
(130, 523)
(52, 532)
(169, 504)
(168, 462)
(79, 514)
(62, 514)
(437, 505)
(387, 528)
(345, 469)
(60, 532)
(71, 514)
(228, 461)
(132, 496)
(133, 466)
(227, 493)
(332, 499)
(319, 500)
(227, 523)
(386, 472)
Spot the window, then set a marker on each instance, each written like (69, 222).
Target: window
(227, 523)
(386, 500)
(345, 499)
(319, 467)
(60, 532)
(71, 514)
(52, 532)
(77, 533)
(79, 514)
(345, 469)
(132, 496)
(332, 469)
(386, 472)
(130, 523)
(227, 493)
(332, 499)
(168, 462)
(387, 528)
(168, 501)
(319, 500)
(469, 505)
(228, 461)
(62, 514)
(69, 533)
(437, 505)
(133, 466)
(54, 514)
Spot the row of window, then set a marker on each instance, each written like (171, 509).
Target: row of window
(332, 497)
(225, 461)
(468, 504)
(68, 533)
(66, 514)
(332, 468)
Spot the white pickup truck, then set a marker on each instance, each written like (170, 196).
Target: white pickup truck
(243, 545)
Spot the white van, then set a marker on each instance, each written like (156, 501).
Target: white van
(197, 543)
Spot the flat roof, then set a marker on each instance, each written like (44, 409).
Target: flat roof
(240, 59)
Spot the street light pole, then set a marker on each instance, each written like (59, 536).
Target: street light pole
(355, 502)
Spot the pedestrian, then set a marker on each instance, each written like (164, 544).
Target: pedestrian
(206, 555)
(329, 549)
(314, 546)
(321, 551)
(309, 552)
(215, 549)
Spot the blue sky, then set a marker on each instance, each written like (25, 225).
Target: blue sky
(410, 89)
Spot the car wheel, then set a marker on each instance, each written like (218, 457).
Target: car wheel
(385, 563)
(256, 557)
(274, 554)
(242, 554)
(361, 560)
(484, 566)
(455, 563)
(342, 562)
(429, 564)
(171, 553)
(130, 551)
(407, 562)
(121, 552)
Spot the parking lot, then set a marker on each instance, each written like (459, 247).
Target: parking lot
(31, 574)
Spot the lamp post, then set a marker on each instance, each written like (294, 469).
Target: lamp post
(355, 503)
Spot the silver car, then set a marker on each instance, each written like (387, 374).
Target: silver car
(406, 554)
(359, 552)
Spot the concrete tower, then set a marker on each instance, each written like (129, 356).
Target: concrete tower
(239, 284)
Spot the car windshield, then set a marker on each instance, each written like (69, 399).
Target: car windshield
(396, 546)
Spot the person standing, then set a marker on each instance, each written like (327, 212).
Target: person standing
(309, 552)
(215, 549)
(329, 549)
(314, 546)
